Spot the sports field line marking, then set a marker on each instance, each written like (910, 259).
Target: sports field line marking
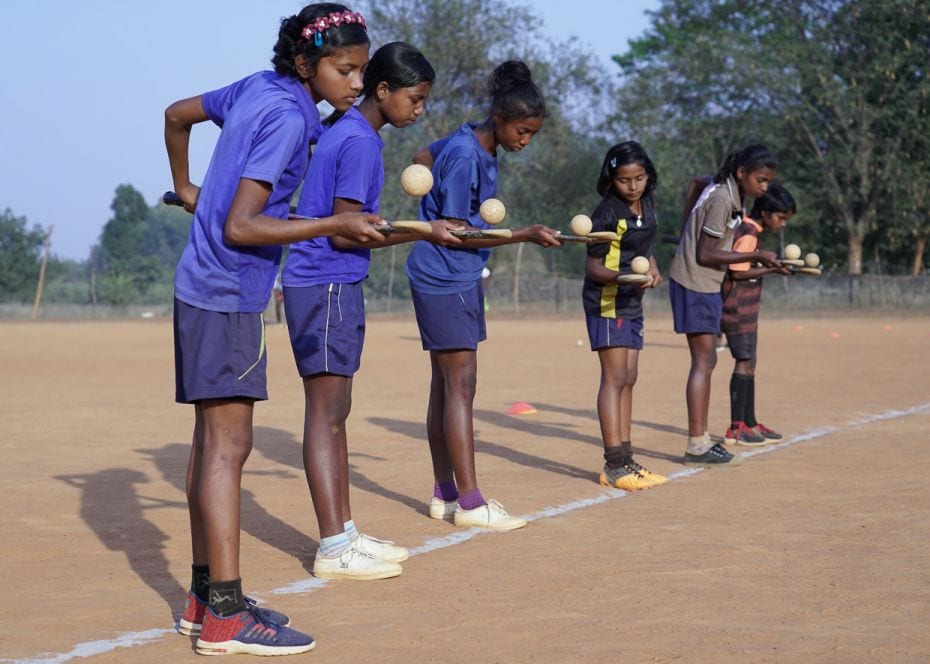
(132, 639)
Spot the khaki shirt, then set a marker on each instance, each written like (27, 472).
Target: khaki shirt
(717, 212)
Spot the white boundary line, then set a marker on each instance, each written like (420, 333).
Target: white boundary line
(132, 639)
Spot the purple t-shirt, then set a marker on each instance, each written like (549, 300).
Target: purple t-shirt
(346, 164)
(267, 121)
(464, 176)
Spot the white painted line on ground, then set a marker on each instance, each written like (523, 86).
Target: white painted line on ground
(91, 648)
(132, 639)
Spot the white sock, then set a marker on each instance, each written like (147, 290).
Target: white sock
(697, 445)
(335, 545)
(351, 530)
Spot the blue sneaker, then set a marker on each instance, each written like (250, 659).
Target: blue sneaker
(191, 620)
(249, 632)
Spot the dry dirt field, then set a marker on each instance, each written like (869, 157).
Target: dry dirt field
(815, 551)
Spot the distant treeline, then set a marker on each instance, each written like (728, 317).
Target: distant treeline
(838, 89)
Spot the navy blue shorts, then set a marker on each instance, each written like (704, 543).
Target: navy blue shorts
(451, 322)
(615, 332)
(326, 324)
(693, 312)
(742, 346)
(218, 355)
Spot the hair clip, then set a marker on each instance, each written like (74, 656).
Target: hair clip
(334, 20)
(613, 162)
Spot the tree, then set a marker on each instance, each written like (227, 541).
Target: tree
(836, 86)
(139, 248)
(20, 249)
(550, 182)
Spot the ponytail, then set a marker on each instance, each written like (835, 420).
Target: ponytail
(751, 158)
(514, 95)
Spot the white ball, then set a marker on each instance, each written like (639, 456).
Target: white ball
(581, 224)
(792, 252)
(811, 260)
(416, 180)
(640, 265)
(492, 211)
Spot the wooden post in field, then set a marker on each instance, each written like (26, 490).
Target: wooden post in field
(516, 277)
(390, 286)
(93, 278)
(41, 284)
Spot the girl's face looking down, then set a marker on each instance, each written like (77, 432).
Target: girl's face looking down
(402, 107)
(775, 221)
(514, 135)
(338, 77)
(629, 182)
(754, 183)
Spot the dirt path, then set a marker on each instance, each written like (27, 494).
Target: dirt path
(815, 552)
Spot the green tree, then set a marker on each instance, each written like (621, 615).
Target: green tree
(835, 87)
(554, 178)
(138, 248)
(20, 252)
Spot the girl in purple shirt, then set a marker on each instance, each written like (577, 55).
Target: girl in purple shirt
(224, 280)
(325, 304)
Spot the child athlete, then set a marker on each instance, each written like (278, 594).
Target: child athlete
(447, 295)
(614, 313)
(742, 293)
(223, 281)
(325, 300)
(696, 276)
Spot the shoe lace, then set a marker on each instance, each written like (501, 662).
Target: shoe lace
(636, 468)
(375, 540)
(354, 550)
(261, 617)
(719, 450)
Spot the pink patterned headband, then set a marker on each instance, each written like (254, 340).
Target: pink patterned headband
(316, 29)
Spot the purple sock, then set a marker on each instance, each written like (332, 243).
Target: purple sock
(445, 491)
(471, 499)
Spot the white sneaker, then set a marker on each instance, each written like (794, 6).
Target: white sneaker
(383, 549)
(442, 509)
(354, 563)
(492, 516)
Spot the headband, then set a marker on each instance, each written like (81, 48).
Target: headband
(316, 29)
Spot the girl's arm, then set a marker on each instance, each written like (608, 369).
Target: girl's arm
(595, 270)
(247, 226)
(708, 255)
(440, 234)
(423, 157)
(654, 275)
(754, 272)
(180, 117)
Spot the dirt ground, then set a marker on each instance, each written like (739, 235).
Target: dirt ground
(816, 552)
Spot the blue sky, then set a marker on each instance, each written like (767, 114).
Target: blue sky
(85, 85)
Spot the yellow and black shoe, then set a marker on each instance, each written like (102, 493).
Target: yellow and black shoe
(624, 478)
(653, 478)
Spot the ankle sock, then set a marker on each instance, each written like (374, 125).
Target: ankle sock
(334, 545)
(615, 456)
(200, 582)
(350, 530)
(471, 500)
(226, 597)
(698, 445)
(445, 491)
